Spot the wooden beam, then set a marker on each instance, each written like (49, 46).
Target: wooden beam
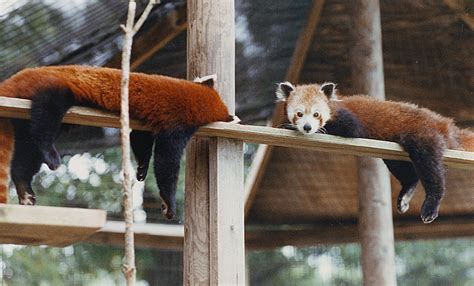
(214, 205)
(148, 43)
(458, 7)
(305, 39)
(53, 226)
(306, 236)
(161, 236)
(374, 189)
(19, 108)
(166, 236)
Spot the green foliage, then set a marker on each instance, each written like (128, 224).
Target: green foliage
(445, 262)
(440, 262)
(74, 265)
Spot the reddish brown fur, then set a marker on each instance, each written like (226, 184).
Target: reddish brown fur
(6, 143)
(467, 140)
(161, 102)
(406, 118)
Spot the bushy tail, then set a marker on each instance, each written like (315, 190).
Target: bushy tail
(466, 139)
(6, 150)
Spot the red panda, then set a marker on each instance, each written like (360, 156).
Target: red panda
(423, 134)
(172, 108)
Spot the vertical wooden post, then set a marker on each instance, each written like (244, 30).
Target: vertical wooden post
(214, 201)
(375, 208)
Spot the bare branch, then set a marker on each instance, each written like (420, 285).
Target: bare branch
(128, 268)
(144, 15)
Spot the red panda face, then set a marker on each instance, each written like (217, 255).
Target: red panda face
(307, 106)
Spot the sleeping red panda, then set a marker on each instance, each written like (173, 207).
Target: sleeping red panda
(172, 108)
(423, 134)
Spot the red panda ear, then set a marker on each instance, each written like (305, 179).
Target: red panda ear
(283, 90)
(208, 80)
(329, 89)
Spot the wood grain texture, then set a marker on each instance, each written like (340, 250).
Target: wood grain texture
(226, 200)
(374, 190)
(330, 234)
(211, 50)
(148, 235)
(51, 226)
(165, 236)
(20, 108)
(196, 211)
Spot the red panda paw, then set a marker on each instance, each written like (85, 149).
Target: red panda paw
(233, 119)
(403, 201)
(51, 157)
(429, 210)
(27, 200)
(141, 173)
(166, 212)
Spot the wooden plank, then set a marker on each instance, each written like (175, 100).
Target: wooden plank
(156, 37)
(165, 236)
(19, 108)
(329, 234)
(196, 206)
(51, 226)
(374, 189)
(226, 197)
(148, 235)
(215, 176)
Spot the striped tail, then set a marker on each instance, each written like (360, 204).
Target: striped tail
(466, 139)
(6, 150)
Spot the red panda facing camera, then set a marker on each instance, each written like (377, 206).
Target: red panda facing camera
(173, 108)
(423, 134)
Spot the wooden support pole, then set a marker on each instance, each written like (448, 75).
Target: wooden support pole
(375, 207)
(214, 201)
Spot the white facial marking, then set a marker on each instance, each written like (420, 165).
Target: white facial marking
(304, 121)
(282, 90)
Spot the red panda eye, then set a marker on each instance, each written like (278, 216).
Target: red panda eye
(316, 114)
(299, 114)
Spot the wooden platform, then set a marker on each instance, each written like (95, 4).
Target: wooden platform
(52, 226)
(148, 235)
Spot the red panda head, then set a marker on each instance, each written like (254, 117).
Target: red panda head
(307, 106)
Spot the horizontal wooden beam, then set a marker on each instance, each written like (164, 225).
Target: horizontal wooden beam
(53, 226)
(166, 236)
(348, 232)
(19, 108)
(162, 236)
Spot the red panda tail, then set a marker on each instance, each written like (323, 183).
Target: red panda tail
(6, 150)
(466, 138)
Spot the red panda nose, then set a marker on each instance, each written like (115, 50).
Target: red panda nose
(307, 127)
